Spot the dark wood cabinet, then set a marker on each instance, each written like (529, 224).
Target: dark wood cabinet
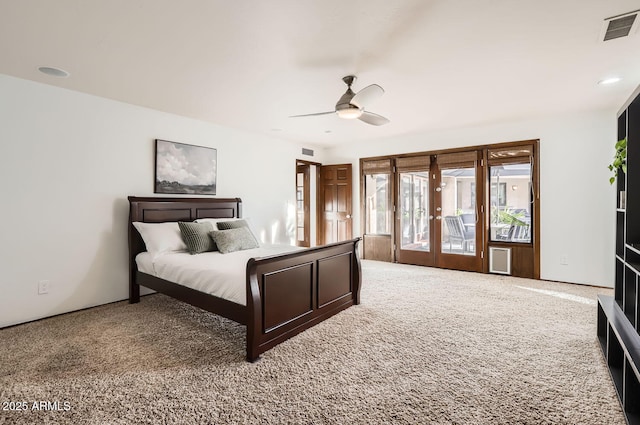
(619, 316)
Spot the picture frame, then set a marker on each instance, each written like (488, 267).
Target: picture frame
(185, 169)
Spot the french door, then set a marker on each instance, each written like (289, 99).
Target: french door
(475, 209)
(415, 220)
(438, 222)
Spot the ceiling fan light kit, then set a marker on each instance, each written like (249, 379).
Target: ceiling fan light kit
(352, 105)
(349, 113)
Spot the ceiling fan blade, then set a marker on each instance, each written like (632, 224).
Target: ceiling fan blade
(312, 115)
(367, 95)
(373, 119)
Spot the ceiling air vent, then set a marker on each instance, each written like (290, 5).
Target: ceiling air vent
(620, 26)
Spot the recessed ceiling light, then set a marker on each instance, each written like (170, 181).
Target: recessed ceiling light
(609, 80)
(54, 72)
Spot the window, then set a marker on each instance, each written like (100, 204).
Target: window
(414, 210)
(458, 210)
(377, 208)
(499, 194)
(511, 202)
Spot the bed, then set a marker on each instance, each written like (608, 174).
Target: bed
(285, 294)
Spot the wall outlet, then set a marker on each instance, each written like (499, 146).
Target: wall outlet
(564, 260)
(43, 287)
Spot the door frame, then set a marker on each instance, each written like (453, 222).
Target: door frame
(307, 199)
(377, 246)
(305, 170)
(525, 256)
(319, 198)
(456, 261)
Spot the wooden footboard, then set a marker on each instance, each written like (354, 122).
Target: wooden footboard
(287, 294)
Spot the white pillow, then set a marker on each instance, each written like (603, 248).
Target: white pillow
(161, 237)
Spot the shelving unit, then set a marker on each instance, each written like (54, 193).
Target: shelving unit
(619, 316)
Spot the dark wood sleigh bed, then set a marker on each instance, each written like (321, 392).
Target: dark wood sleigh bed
(286, 294)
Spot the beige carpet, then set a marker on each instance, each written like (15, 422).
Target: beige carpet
(426, 346)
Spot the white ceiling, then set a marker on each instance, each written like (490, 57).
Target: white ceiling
(252, 64)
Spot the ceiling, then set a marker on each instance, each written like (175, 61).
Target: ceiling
(252, 64)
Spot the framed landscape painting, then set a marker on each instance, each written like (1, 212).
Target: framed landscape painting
(185, 169)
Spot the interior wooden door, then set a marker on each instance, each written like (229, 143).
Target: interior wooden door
(335, 202)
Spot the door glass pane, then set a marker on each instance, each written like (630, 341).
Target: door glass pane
(458, 211)
(511, 202)
(414, 211)
(377, 209)
(300, 207)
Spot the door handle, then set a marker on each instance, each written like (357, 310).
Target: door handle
(438, 189)
(438, 217)
(430, 217)
(348, 215)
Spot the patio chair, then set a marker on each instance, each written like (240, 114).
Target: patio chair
(469, 222)
(457, 233)
(517, 233)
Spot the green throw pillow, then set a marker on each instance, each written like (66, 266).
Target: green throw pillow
(196, 237)
(236, 224)
(225, 225)
(232, 240)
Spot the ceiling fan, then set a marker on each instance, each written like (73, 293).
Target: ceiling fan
(351, 105)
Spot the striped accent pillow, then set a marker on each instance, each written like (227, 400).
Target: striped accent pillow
(196, 237)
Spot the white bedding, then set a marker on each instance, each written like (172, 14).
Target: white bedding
(222, 275)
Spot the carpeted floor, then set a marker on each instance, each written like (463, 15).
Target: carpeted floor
(426, 346)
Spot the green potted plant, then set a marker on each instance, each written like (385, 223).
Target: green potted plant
(619, 159)
(507, 216)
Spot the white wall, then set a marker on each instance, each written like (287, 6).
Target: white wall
(68, 163)
(577, 203)
(69, 160)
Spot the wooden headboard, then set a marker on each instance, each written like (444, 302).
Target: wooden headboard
(157, 210)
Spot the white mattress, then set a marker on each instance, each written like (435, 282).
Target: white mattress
(222, 275)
